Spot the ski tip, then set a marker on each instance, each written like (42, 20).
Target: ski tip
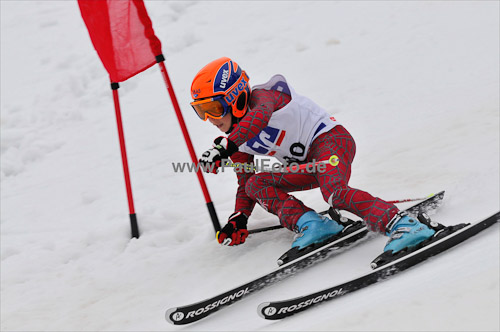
(169, 313)
(261, 307)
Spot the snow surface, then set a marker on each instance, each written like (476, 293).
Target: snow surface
(415, 82)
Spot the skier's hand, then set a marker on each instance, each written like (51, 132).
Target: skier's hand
(211, 159)
(235, 232)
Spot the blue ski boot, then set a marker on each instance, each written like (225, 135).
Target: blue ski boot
(406, 232)
(314, 228)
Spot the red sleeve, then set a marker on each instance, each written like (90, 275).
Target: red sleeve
(262, 105)
(243, 203)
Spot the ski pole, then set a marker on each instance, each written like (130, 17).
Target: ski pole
(333, 160)
(270, 228)
(409, 199)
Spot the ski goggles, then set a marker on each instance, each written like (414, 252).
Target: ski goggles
(215, 107)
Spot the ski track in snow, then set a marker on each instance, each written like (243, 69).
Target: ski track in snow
(416, 83)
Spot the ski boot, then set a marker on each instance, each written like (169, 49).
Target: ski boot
(317, 231)
(409, 234)
(406, 232)
(314, 228)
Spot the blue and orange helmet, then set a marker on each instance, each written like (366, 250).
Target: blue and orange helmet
(219, 88)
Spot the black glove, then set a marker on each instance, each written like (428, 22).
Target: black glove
(235, 232)
(211, 159)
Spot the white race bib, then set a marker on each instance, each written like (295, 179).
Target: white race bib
(291, 129)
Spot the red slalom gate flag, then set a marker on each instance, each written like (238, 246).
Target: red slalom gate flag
(122, 34)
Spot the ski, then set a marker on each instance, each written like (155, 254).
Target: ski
(282, 309)
(194, 312)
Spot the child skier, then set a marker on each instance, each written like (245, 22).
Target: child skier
(273, 120)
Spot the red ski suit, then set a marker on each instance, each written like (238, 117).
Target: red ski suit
(271, 189)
